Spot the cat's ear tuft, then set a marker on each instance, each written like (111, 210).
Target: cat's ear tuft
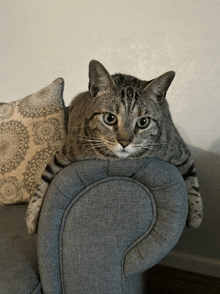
(99, 78)
(145, 83)
(159, 86)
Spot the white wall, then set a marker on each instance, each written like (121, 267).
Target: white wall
(46, 39)
(42, 40)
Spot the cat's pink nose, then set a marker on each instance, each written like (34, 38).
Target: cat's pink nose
(124, 143)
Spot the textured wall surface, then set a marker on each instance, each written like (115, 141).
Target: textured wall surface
(43, 40)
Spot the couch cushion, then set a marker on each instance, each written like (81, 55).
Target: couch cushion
(104, 220)
(18, 253)
(109, 222)
(31, 130)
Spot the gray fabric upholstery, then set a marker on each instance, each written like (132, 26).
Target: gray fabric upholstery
(103, 223)
(18, 253)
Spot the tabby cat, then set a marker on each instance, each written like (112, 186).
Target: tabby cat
(121, 117)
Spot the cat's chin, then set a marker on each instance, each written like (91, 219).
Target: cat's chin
(122, 154)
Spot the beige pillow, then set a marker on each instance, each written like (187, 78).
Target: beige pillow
(31, 130)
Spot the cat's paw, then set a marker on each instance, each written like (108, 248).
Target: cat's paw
(195, 213)
(194, 221)
(32, 222)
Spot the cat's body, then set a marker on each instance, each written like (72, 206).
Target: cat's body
(122, 117)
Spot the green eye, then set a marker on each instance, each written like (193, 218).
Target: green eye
(143, 123)
(109, 118)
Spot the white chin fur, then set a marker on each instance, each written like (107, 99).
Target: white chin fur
(122, 154)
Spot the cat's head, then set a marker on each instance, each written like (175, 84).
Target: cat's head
(127, 114)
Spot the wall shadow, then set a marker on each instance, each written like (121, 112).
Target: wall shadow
(205, 241)
(215, 147)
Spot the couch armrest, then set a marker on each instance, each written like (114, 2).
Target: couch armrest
(105, 222)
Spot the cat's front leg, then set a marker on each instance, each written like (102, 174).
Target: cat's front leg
(34, 207)
(58, 162)
(195, 209)
(195, 212)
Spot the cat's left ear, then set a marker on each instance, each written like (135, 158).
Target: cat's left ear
(160, 85)
(99, 78)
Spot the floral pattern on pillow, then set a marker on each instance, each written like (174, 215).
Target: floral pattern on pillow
(31, 131)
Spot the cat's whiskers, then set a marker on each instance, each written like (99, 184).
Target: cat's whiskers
(153, 146)
(86, 140)
(99, 145)
(139, 148)
(96, 140)
(136, 152)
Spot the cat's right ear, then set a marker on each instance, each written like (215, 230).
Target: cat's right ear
(99, 79)
(160, 86)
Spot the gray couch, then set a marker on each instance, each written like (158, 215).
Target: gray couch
(102, 225)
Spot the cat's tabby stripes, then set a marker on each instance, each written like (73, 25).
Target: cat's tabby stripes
(121, 116)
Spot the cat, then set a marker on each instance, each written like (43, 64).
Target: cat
(121, 117)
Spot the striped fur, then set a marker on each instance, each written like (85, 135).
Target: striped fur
(121, 116)
(58, 163)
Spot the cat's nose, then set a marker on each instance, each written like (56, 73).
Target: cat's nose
(124, 143)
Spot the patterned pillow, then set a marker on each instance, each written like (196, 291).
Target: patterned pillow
(31, 130)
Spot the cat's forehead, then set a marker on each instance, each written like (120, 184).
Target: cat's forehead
(130, 93)
(128, 97)
(127, 101)
(123, 81)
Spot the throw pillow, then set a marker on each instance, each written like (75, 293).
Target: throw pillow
(31, 130)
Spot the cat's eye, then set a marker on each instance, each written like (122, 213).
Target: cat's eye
(109, 118)
(143, 122)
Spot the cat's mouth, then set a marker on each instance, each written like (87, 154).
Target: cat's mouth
(123, 152)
